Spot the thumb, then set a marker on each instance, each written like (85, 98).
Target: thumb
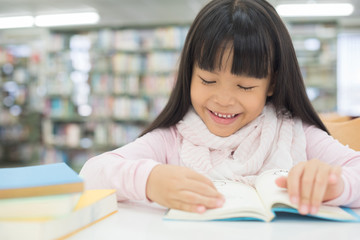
(334, 175)
(281, 182)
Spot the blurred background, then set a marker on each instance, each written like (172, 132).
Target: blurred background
(81, 77)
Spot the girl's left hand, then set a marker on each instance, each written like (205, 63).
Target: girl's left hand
(310, 183)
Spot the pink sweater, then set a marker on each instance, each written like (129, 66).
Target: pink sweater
(127, 168)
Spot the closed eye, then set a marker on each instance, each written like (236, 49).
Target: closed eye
(205, 82)
(245, 88)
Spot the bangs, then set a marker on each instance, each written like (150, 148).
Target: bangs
(250, 42)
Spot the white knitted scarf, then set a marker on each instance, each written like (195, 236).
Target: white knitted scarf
(265, 143)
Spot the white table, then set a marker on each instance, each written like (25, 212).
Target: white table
(139, 221)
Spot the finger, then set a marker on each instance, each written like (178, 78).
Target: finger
(202, 188)
(293, 182)
(201, 184)
(306, 186)
(201, 178)
(197, 199)
(335, 184)
(319, 188)
(281, 182)
(180, 205)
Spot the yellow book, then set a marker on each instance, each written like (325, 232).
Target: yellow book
(93, 206)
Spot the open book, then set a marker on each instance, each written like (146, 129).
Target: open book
(262, 202)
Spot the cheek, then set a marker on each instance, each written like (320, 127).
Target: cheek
(197, 93)
(192, 94)
(255, 102)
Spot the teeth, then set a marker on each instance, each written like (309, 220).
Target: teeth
(224, 115)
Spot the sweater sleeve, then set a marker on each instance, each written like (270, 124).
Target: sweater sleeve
(127, 168)
(325, 148)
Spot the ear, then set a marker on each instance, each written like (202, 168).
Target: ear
(271, 89)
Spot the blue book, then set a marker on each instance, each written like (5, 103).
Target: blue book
(40, 180)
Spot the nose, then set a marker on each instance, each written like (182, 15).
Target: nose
(225, 97)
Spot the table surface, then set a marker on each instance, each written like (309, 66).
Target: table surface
(140, 221)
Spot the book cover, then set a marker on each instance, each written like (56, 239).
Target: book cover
(261, 202)
(38, 207)
(39, 180)
(93, 206)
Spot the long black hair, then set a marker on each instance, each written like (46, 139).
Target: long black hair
(261, 46)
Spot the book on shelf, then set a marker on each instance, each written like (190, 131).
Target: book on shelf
(72, 134)
(92, 207)
(39, 180)
(261, 202)
(128, 108)
(59, 107)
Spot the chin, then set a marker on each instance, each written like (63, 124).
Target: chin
(221, 133)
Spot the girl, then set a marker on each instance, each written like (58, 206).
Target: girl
(239, 107)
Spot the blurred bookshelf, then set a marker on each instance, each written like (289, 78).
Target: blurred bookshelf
(85, 92)
(316, 49)
(104, 86)
(20, 114)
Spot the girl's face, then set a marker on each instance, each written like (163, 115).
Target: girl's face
(227, 102)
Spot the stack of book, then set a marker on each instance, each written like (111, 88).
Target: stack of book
(49, 202)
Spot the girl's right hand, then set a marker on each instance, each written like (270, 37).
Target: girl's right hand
(182, 188)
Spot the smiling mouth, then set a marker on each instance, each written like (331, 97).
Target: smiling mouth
(224, 116)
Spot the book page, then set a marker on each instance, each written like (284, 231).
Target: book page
(241, 201)
(238, 196)
(276, 197)
(268, 190)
